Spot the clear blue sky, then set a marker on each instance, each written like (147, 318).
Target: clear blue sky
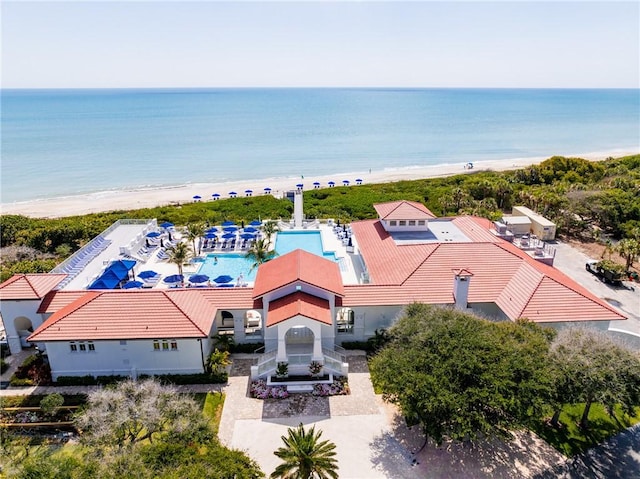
(240, 44)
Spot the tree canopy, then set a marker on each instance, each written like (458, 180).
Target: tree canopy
(461, 377)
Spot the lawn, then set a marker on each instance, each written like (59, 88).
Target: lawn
(211, 406)
(570, 439)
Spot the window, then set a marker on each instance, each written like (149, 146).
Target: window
(165, 345)
(82, 346)
(123, 342)
(412, 222)
(421, 223)
(345, 320)
(402, 223)
(393, 223)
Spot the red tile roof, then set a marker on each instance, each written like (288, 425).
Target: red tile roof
(299, 265)
(29, 286)
(55, 300)
(403, 210)
(299, 303)
(502, 274)
(130, 315)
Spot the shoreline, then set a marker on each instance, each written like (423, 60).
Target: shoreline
(111, 200)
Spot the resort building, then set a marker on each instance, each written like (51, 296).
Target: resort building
(302, 304)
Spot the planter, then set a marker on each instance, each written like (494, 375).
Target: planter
(299, 378)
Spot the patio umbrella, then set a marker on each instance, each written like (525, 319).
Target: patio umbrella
(132, 284)
(228, 223)
(232, 193)
(358, 180)
(213, 229)
(228, 235)
(147, 274)
(230, 229)
(248, 191)
(255, 223)
(199, 278)
(345, 182)
(331, 183)
(250, 229)
(216, 195)
(224, 278)
(299, 185)
(197, 197)
(153, 234)
(247, 235)
(316, 184)
(166, 225)
(209, 235)
(174, 278)
(267, 190)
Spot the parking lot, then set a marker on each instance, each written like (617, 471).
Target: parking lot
(625, 299)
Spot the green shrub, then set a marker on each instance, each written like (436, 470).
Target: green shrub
(246, 347)
(3, 366)
(76, 381)
(51, 402)
(20, 382)
(198, 378)
(363, 345)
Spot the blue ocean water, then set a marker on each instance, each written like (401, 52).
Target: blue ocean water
(65, 142)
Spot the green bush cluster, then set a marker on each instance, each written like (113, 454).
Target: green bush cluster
(202, 378)
(3, 366)
(360, 345)
(248, 348)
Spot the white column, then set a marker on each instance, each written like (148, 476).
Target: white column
(282, 345)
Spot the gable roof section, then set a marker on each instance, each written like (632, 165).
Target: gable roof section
(299, 265)
(502, 274)
(403, 210)
(55, 300)
(299, 304)
(102, 315)
(29, 286)
(387, 263)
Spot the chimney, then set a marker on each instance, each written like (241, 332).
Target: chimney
(461, 280)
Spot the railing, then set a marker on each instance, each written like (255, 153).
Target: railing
(299, 359)
(266, 366)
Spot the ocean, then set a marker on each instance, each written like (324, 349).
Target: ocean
(64, 142)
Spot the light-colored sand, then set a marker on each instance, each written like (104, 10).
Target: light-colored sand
(133, 199)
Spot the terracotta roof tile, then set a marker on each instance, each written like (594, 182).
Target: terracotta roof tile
(55, 300)
(299, 303)
(130, 315)
(299, 265)
(29, 286)
(403, 210)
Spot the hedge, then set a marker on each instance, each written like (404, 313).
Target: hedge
(363, 345)
(202, 378)
(245, 347)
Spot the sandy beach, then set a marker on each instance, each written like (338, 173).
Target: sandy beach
(174, 195)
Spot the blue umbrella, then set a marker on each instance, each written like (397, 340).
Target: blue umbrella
(267, 189)
(331, 183)
(224, 278)
(228, 223)
(247, 235)
(216, 195)
(232, 193)
(228, 235)
(248, 191)
(299, 185)
(199, 278)
(209, 235)
(132, 284)
(255, 223)
(166, 225)
(229, 229)
(345, 182)
(359, 180)
(153, 234)
(250, 229)
(213, 229)
(197, 197)
(147, 274)
(174, 278)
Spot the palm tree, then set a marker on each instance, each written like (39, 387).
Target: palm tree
(260, 253)
(179, 254)
(195, 231)
(305, 456)
(269, 229)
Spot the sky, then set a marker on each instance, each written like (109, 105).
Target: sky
(418, 44)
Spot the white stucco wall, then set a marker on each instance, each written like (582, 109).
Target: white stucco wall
(133, 357)
(12, 309)
(397, 228)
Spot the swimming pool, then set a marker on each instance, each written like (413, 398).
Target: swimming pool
(235, 264)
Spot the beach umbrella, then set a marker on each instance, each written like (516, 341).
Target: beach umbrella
(255, 223)
(224, 278)
(197, 197)
(228, 223)
(228, 235)
(132, 285)
(216, 196)
(230, 229)
(153, 234)
(248, 235)
(250, 229)
(209, 235)
(166, 225)
(213, 229)
(331, 183)
(316, 184)
(199, 278)
(174, 278)
(248, 191)
(147, 274)
(345, 182)
(232, 193)
(267, 190)
(359, 181)
(299, 185)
